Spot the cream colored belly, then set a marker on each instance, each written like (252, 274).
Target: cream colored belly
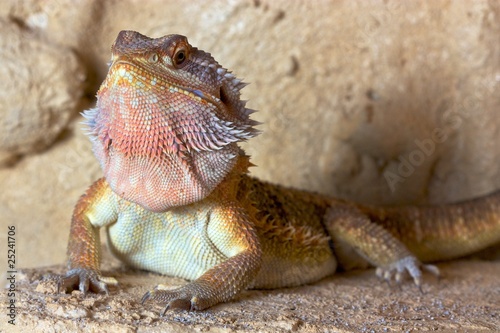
(173, 243)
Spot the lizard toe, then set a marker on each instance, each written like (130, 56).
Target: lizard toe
(409, 265)
(179, 304)
(84, 280)
(146, 297)
(183, 298)
(174, 299)
(434, 270)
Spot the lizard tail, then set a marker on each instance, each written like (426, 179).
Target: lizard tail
(443, 232)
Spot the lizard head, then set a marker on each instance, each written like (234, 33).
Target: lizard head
(167, 121)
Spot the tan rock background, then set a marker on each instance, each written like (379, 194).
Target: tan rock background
(384, 102)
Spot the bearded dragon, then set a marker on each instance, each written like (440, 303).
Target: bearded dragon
(176, 197)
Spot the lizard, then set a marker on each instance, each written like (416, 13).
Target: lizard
(176, 196)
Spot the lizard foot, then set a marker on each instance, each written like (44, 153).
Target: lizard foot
(183, 298)
(407, 265)
(84, 280)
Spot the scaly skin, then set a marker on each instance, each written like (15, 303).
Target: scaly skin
(176, 198)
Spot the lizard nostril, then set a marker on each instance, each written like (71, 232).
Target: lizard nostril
(153, 58)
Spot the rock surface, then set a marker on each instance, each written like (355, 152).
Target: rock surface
(379, 102)
(466, 299)
(41, 88)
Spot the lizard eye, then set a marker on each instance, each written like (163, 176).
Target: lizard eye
(179, 57)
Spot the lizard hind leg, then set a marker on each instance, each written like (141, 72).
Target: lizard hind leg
(355, 236)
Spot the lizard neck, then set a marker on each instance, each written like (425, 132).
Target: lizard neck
(229, 186)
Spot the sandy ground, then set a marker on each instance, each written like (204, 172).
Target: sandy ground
(465, 299)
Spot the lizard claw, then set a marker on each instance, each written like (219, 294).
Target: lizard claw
(175, 299)
(407, 265)
(84, 280)
(183, 298)
(145, 297)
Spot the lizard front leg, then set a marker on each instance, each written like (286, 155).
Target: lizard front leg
(349, 226)
(232, 234)
(93, 210)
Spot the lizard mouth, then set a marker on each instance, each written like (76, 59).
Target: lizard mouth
(126, 72)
